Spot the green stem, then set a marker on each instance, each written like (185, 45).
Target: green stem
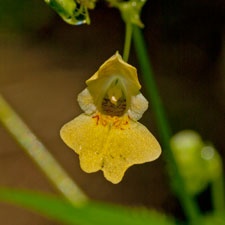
(218, 195)
(39, 153)
(127, 43)
(188, 203)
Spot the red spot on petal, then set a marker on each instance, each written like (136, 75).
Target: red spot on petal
(96, 117)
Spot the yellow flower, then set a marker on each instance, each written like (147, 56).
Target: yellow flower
(107, 135)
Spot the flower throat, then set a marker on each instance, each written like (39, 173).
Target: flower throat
(114, 102)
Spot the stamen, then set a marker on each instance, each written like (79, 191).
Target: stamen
(113, 100)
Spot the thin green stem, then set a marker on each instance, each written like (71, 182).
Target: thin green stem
(188, 203)
(127, 43)
(218, 195)
(39, 153)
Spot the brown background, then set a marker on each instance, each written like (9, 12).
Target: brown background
(45, 62)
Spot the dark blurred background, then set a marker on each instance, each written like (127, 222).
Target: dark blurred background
(44, 63)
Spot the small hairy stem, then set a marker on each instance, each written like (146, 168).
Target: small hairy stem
(39, 153)
(127, 43)
(188, 203)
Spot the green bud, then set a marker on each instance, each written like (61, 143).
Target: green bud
(71, 12)
(213, 162)
(199, 164)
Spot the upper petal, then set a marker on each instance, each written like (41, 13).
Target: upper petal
(116, 65)
(114, 68)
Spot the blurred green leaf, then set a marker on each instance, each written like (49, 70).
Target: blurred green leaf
(87, 214)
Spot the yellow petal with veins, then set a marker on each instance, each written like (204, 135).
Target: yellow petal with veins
(110, 144)
(116, 65)
(114, 68)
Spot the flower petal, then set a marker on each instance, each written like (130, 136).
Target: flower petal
(116, 65)
(86, 139)
(114, 68)
(138, 106)
(86, 102)
(127, 147)
(109, 148)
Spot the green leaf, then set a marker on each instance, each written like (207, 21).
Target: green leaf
(90, 213)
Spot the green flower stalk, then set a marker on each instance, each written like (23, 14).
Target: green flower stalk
(127, 43)
(189, 205)
(39, 154)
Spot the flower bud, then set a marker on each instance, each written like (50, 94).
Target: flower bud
(199, 163)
